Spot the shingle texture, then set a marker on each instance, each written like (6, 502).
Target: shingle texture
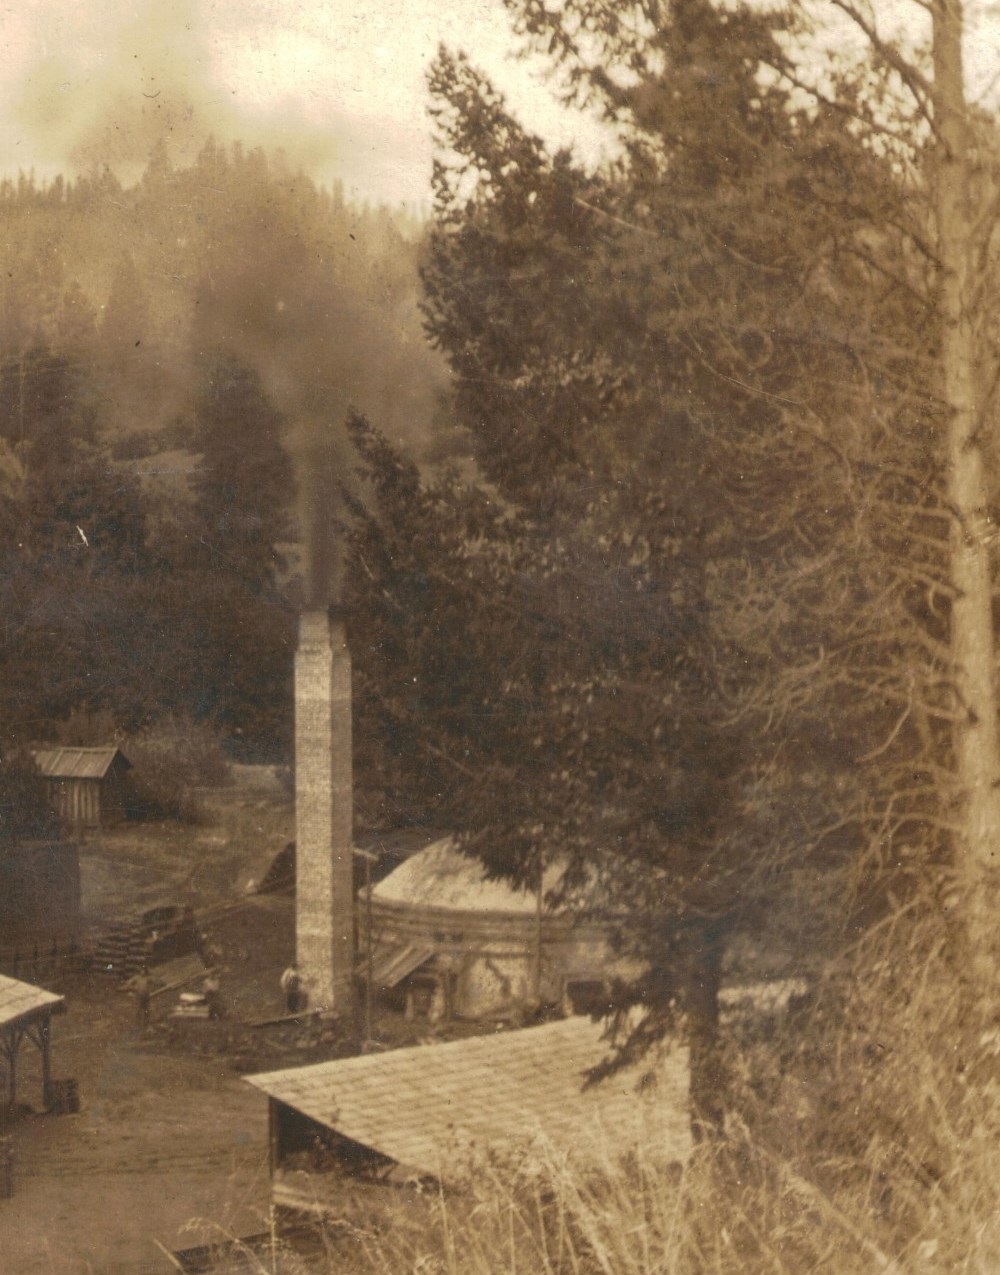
(432, 1107)
(22, 1000)
(77, 763)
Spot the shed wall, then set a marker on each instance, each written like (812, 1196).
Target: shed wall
(88, 804)
(77, 802)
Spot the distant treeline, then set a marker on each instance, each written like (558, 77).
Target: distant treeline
(236, 252)
(176, 358)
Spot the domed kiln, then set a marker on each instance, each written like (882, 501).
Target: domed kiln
(480, 947)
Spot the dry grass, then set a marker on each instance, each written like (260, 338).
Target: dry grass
(898, 1175)
(865, 1137)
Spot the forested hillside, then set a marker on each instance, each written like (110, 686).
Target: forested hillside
(170, 353)
(237, 252)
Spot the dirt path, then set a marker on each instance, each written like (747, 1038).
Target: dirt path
(167, 1132)
(160, 1142)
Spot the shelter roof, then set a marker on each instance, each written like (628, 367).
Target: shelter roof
(78, 763)
(432, 1108)
(20, 1001)
(391, 963)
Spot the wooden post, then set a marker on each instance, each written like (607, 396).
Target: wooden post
(369, 944)
(13, 1046)
(6, 1105)
(973, 645)
(536, 973)
(44, 1040)
(273, 1135)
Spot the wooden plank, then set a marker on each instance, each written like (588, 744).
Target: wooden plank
(286, 1018)
(182, 982)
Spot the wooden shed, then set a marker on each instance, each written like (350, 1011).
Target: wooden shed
(86, 785)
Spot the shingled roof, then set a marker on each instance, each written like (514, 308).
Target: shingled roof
(21, 1002)
(432, 1107)
(78, 763)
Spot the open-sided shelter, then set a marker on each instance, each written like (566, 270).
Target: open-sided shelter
(438, 1110)
(25, 1014)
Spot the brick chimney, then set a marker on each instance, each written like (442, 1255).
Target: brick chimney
(324, 903)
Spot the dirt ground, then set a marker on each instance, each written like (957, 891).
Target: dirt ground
(169, 1143)
(160, 1141)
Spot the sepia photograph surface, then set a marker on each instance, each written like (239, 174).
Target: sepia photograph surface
(499, 727)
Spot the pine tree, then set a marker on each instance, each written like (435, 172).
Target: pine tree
(719, 658)
(244, 483)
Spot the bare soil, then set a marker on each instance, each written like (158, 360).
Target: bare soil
(160, 1141)
(170, 1144)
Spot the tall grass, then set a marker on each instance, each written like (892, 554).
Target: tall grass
(864, 1136)
(730, 1209)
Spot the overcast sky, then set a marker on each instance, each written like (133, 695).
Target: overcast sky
(339, 83)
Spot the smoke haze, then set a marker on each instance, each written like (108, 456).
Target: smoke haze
(195, 252)
(102, 83)
(339, 87)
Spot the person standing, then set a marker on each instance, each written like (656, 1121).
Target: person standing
(142, 985)
(210, 990)
(291, 986)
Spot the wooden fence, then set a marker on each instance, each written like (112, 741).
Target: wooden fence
(44, 963)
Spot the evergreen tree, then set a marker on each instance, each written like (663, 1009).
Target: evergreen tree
(244, 483)
(72, 548)
(690, 386)
(26, 813)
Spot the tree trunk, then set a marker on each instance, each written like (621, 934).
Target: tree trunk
(704, 975)
(977, 749)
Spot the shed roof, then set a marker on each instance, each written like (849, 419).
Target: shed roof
(392, 962)
(430, 1107)
(20, 1001)
(78, 763)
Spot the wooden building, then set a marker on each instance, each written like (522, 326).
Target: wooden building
(39, 897)
(86, 785)
(438, 1111)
